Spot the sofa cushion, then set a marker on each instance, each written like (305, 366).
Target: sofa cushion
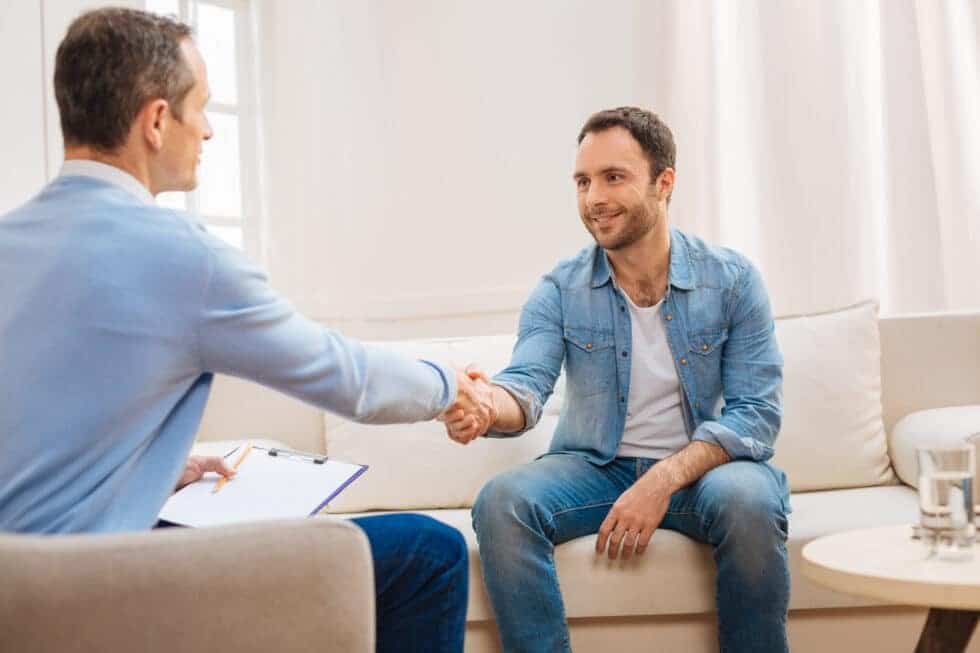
(832, 434)
(676, 575)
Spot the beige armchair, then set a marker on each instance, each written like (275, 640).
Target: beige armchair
(297, 585)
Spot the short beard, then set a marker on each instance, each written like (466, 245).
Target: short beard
(639, 223)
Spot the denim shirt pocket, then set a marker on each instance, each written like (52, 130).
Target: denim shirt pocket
(706, 348)
(590, 361)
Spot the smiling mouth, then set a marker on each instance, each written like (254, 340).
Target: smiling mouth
(605, 219)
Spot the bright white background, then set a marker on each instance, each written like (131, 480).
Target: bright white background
(417, 155)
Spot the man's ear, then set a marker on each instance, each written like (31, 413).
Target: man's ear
(665, 183)
(154, 119)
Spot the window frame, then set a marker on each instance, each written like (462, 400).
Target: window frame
(251, 220)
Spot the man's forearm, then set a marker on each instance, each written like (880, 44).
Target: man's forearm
(686, 466)
(510, 417)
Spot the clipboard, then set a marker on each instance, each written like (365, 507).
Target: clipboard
(271, 483)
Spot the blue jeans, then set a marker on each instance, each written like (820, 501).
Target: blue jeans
(421, 576)
(738, 508)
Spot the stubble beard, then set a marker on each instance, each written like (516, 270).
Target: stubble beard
(638, 222)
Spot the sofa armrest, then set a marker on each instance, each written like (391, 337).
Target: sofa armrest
(937, 427)
(296, 585)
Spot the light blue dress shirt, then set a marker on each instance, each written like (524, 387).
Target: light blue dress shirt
(114, 314)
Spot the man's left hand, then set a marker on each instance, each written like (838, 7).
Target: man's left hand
(633, 519)
(197, 466)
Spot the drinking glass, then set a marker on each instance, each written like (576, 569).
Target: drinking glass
(946, 510)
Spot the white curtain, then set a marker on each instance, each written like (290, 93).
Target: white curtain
(419, 153)
(836, 142)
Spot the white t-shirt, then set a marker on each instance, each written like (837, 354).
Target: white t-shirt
(654, 419)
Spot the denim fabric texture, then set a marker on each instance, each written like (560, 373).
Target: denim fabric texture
(738, 508)
(720, 329)
(421, 576)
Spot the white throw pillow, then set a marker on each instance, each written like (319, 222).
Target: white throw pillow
(832, 435)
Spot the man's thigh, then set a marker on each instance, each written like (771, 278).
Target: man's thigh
(570, 495)
(739, 488)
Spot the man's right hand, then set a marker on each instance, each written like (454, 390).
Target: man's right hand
(474, 411)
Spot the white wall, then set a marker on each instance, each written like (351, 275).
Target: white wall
(22, 111)
(420, 161)
(29, 129)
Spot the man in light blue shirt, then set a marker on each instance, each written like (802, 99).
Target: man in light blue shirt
(673, 403)
(115, 314)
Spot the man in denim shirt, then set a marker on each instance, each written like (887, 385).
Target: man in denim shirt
(654, 327)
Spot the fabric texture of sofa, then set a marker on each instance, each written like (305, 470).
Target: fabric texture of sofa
(251, 588)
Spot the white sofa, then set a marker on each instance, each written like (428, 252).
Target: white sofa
(848, 382)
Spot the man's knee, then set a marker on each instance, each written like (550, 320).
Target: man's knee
(748, 503)
(438, 539)
(502, 502)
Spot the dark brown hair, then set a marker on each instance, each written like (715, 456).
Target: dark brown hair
(109, 65)
(646, 127)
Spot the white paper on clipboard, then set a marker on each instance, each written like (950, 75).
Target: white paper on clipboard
(289, 484)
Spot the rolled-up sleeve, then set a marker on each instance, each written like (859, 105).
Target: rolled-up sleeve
(247, 330)
(752, 376)
(538, 354)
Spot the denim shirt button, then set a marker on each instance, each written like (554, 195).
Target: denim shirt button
(669, 317)
(622, 309)
(588, 345)
(683, 361)
(624, 354)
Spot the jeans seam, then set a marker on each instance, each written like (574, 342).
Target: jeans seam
(585, 507)
(555, 515)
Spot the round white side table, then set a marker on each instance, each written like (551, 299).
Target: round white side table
(886, 563)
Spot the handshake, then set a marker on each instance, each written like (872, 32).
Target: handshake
(475, 409)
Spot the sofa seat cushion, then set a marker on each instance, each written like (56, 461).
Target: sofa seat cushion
(676, 575)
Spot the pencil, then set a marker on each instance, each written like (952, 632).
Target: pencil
(221, 481)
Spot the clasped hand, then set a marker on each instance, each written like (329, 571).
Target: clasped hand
(474, 411)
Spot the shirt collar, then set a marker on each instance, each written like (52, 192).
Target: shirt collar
(681, 275)
(109, 174)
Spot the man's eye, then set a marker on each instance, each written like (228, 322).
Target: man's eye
(582, 183)
(615, 177)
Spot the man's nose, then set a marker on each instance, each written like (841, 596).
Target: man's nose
(595, 197)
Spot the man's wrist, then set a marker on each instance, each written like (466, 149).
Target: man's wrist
(661, 479)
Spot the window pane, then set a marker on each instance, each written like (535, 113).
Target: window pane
(165, 7)
(234, 236)
(219, 175)
(172, 201)
(216, 40)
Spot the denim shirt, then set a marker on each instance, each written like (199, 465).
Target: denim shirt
(721, 334)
